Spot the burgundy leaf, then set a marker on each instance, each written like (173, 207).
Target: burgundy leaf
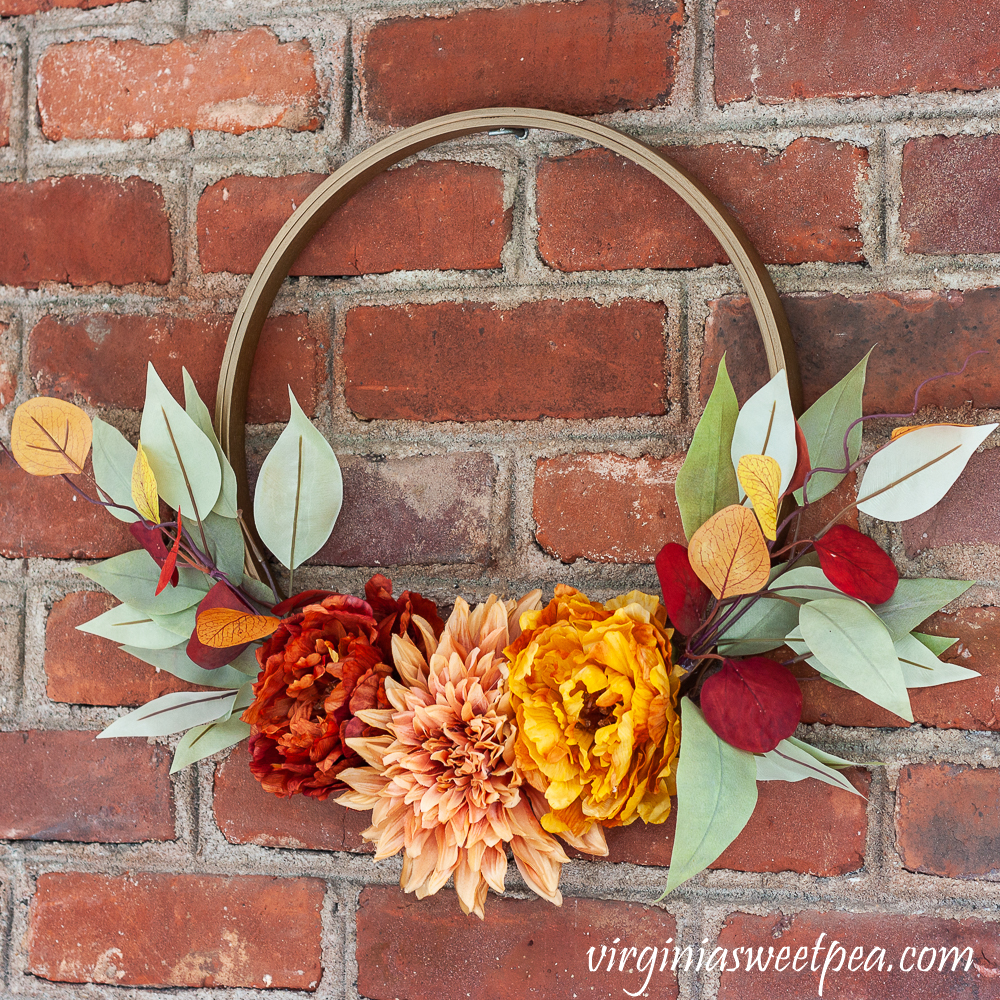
(855, 564)
(801, 462)
(684, 595)
(220, 596)
(752, 704)
(151, 539)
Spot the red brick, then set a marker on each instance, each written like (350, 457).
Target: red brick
(102, 358)
(782, 50)
(438, 506)
(805, 930)
(582, 58)
(597, 211)
(444, 216)
(72, 786)
(606, 508)
(120, 232)
(183, 930)
(6, 85)
(84, 669)
(915, 335)
(15, 8)
(525, 949)
(948, 194)
(476, 361)
(234, 81)
(9, 351)
(44, 517)
(948, 820)
(246, 814)
(816, 516)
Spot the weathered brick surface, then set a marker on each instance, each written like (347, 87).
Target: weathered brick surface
(6, 85)
(948, 206)
(13, 8)
(119, 234)
(420, 510)
(183, 930)
(72, 786)
(426, 950)
(102, 358)
(948, 820)
(597, 211)
(857, 935)
(475, 361)
(915, 335)
(227, 82)
(435, 215)
(781, 50)
(9, 348)
(816, 516)
(246, 814)
(84, 669)
(606, 508)
(583, 59)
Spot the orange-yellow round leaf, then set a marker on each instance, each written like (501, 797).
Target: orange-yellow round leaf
(221, 627)
(760, 477)
(50, 437)
(898, 432)
(729, 554)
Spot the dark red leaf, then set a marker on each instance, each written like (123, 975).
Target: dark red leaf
(752, 704)
(300, 600)
(855, 564)
(168, 571)
(220, 596)
(684, 595)
(151, 539)
(801, 462)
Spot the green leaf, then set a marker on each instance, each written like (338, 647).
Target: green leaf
(203, 741)
(716, 795)
(855, 647)
(766, 426)
(828, 758)
(130, 626)
(299, 492)
(921, 668)
(914, 601)
(259, 591)
(244, 698)
(198, 412)
(937, 644)
(707, 480)
(180, 623)
(176, 661)
(182, 458)
(788, 762)
(911, 474)
(225, 541)
(113, 459)
(132, 578)
(172, 713)
(825, 423)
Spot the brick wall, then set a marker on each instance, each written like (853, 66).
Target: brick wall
(508, 342)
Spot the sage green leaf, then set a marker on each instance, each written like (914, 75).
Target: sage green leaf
(246, 662)
(766, 426)
(854, 646)
(182, 458)
(259, 591)
(921, 668)
(203, 741)
(180, 623)
(828, 758)
(825, 423)
(198, 412)
(225, 543)
(788, 762)
(113, 459)
(914, 601)
(244, 698)
(130, 626)
(132, 578)
(937, 644)
(911, 474)
(716, 795)
(299, 491)
(176, 661)
(172, 713)
(707, 480)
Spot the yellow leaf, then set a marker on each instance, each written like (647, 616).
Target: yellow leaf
(50, 437)
(760, 477)
(729, 554)
(144, 495)
(898, 432)
(221, 627)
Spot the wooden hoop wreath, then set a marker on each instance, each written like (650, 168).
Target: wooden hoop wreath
(305, 222)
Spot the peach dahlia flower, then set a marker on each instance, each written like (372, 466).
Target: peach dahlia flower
(443, 785)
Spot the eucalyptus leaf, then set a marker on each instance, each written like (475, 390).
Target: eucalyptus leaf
(181, 623)
(182, 458)
(914, 601)
(172, 713)
(937, 644)
(716, 795)
(132, 578)
(196, 409)
(921, 668)
(766, 426)
(130, 626)
(259, 591)
(829, 758)
(225, 542)
(788, 762)
(299, 491)
(825, 423)
(707, 480)
(203, 741)
(176, 661)
(113, 459)
(244, 698)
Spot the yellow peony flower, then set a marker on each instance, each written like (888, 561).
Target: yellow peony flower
(595, 698)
